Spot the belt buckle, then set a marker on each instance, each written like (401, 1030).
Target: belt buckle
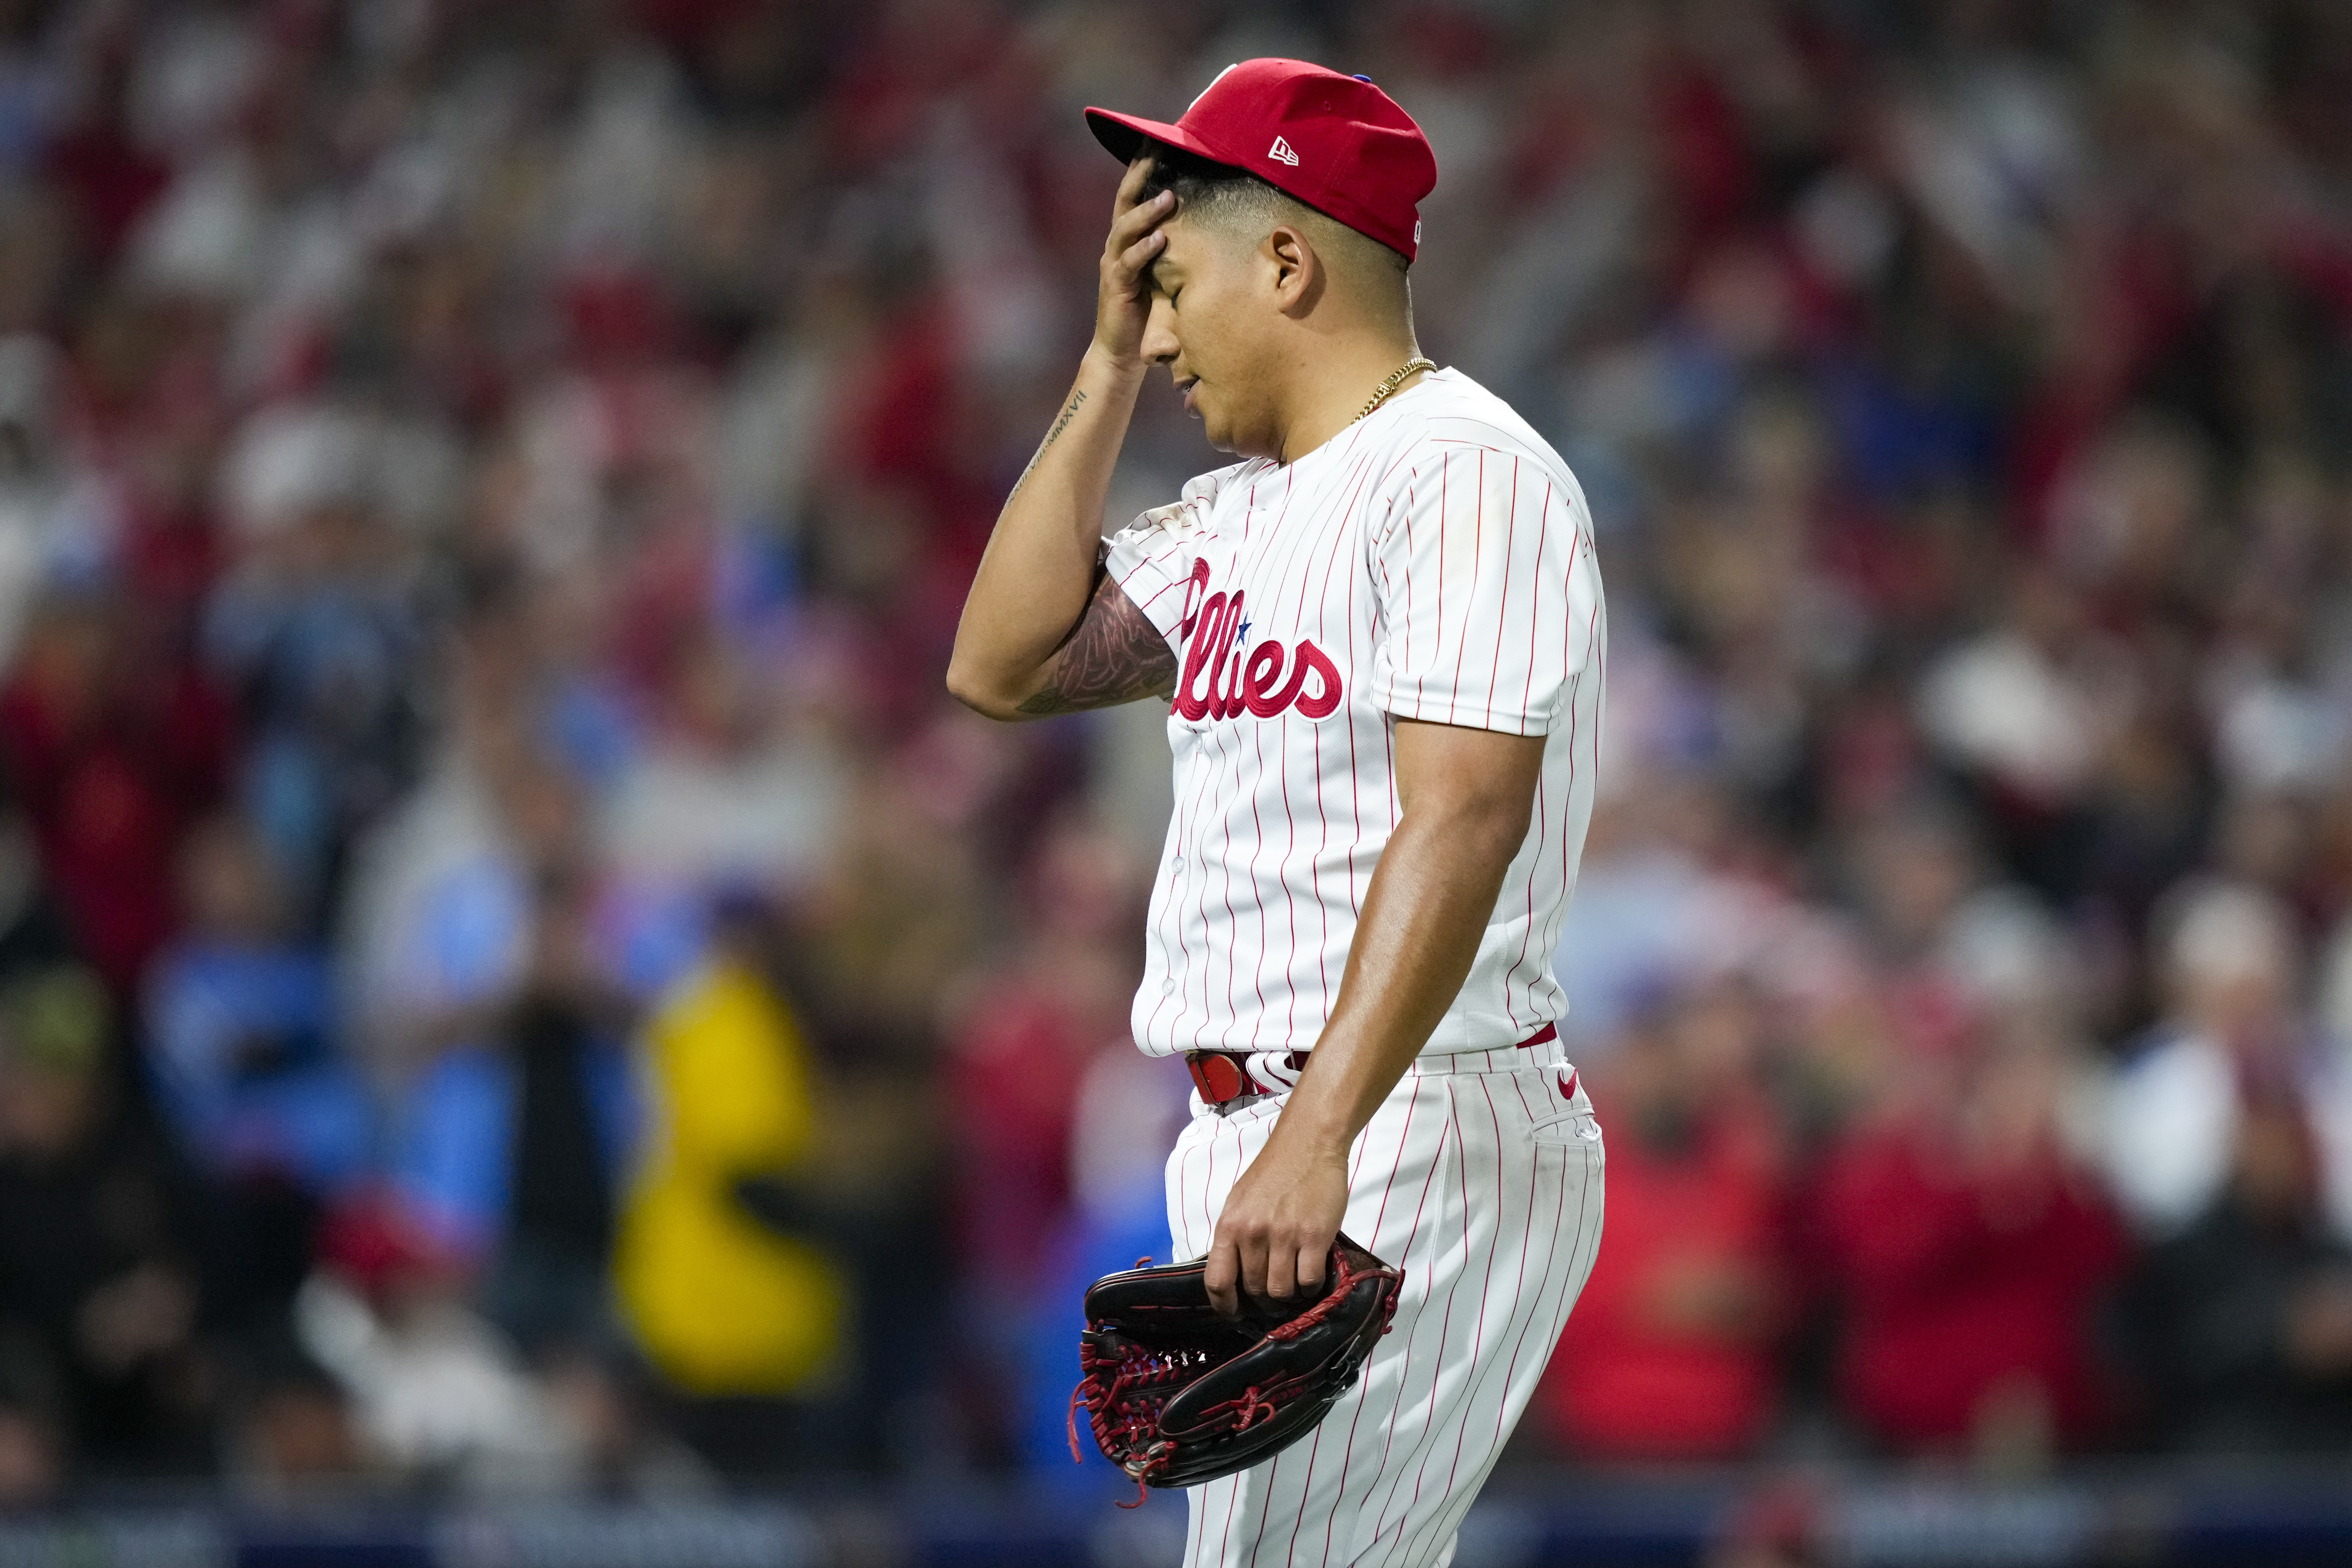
(1224, 1084)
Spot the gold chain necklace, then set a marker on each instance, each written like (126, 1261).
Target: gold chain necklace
(1395, 380)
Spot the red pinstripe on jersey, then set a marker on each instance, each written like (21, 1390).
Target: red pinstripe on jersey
(1431, 562)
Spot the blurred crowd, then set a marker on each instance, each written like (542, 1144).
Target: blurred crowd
(514, 976)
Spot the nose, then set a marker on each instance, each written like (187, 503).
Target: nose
(1159, 343)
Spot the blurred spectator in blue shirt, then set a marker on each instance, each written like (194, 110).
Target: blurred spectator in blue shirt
(316, 630)
(241, 1029)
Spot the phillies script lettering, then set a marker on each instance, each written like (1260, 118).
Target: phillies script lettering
(1222, 681)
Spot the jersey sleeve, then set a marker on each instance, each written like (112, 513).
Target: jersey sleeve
(1151, 558)
(1482, 567)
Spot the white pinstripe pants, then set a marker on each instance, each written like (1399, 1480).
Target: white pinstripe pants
(1481, 1177)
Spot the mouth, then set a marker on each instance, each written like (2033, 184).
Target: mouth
(1185, 385)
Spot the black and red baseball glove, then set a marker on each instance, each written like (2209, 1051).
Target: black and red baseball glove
(1178, 1393)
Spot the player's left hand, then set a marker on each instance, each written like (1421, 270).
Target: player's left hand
(1273, 1238)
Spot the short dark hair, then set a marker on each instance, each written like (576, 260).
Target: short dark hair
(1223, 194)
(1211, 190)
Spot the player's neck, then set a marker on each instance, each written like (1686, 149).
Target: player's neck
(1328, 391)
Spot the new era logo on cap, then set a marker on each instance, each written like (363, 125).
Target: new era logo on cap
(1371, 164)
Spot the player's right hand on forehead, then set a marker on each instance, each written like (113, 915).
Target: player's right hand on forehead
(1123, 302)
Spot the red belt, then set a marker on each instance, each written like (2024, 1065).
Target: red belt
(1224, 1077)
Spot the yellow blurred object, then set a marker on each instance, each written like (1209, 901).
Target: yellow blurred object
(719, 1303)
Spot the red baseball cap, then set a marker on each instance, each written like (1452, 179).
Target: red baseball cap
(1337, 142)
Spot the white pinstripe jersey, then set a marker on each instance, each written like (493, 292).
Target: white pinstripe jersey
(1431, 562)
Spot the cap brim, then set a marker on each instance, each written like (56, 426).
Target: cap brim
(1123, 136)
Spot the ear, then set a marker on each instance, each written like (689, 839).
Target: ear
(1297, 272)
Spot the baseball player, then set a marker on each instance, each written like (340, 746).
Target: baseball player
(1381, 637)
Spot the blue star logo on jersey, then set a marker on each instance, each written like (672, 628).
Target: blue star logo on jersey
(1241, 632)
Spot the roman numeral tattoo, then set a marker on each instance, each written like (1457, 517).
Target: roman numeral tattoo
(1069, 412)
(1113, 655)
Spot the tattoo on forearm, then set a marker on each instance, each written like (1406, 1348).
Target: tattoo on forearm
(1069, 412)
(1114, 655)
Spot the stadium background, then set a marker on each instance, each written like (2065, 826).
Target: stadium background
(532, 1030)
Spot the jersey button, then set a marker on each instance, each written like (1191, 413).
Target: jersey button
(1168, 987)
(1179, 867)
